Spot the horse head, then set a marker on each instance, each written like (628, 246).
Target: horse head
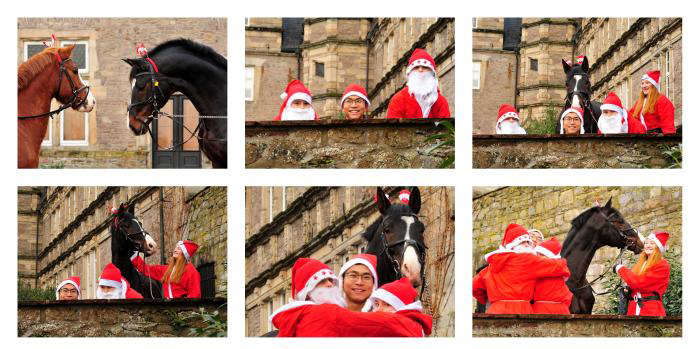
(397, 239)
(128, 233)
(578, 85)
(150, 91)
(613, 230)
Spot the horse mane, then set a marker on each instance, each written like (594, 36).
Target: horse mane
(195, 48)
(577, 223)
(28, 70)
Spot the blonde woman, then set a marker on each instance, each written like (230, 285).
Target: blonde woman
(179, 277)
(654, 110)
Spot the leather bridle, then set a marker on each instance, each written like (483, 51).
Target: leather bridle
(386, 251)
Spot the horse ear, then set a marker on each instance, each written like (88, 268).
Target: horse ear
(68, 50)
(414, 200)
(122, 209)
(131, 209)
(382, 202)
(566, 66)
(608, 205)
(584, 65)
(129, 61)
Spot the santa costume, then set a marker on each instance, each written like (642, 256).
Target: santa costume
(406, 104)
(507, 111)
(369, 261)
(508, 282)
(578, 112)
(296, 90)
(73, 280)
(400, 294)
(619, 123)
(303, 318)
(552, 296)
(112, 277)
(188, 287)
(649, 287)
(662, 118)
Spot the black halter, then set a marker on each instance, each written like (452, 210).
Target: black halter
(130, 236)
(73, 98)
(408, 242)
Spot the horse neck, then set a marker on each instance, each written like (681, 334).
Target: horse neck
(205, 90)
(120, 255)
(579, 253)
(36, 97)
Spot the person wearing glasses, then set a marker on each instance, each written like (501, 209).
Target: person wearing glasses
(355, 103)
(358, 278)
(571, 122)
(68, 289)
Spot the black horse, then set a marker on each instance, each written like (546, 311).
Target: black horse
(396, 238)
(594, 228)
(128, 236)
(578, 94)
(197, 71)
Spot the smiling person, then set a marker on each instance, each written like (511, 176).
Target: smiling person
(421, 97)
(297, 103)
(652, 109)
(399, 297)
(508, 121)
(358, 279)
(571, 121)
(648, 279)
(68, 289)
(355, 103)
(179, 277)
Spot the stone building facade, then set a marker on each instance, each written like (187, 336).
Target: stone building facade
(64, 231)
(551, 209)
(337, 52)
(326, 223)
(619, 51)
(101, 139)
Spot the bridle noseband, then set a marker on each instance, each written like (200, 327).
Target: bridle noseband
(129, 236)
(386, 247)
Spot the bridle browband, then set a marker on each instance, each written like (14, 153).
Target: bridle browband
(72, 101)
(407, 242)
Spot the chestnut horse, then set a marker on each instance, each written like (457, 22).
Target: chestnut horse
(41, 79)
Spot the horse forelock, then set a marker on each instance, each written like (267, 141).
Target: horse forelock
(34, 66)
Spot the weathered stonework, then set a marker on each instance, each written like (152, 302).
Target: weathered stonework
(492, 325)
(578, 151)
(112, 318)
(395, 143)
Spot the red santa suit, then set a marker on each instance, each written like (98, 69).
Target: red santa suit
(509, 280)
(552, 296)
(663, 114)
(189, 285)
(652, 283)
(130, 292)
(405, 105)
(112, 277)
(626, 124)
(295, 90)
(400, 295)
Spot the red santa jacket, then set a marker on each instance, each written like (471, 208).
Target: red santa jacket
(131, 293)
(306, 319)
(508, 282)
(403, 105)
(662, 117)
(552, 296)
(654, 279)
(634, 125)
(188, 287)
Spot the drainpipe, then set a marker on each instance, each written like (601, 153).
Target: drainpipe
(162, 230)
(517, 75)
(36, 246)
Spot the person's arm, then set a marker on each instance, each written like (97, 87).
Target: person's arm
(543, 267)
(666, 113)
(152, 271)
(650, 280)
(444, 108)
(357, 324)
(193, 285)
(479, 287)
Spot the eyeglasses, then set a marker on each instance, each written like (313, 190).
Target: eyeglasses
(355, 276)
(356, 101)
(572, 119)
(68, 291)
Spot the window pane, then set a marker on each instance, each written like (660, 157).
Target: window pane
(165, 128)
(79, 55)
(249, 79)
(33, 49)
(191, 119)
(476, 75)
(74, 125)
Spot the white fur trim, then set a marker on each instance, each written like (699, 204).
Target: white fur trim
(417, 305)
(509, 114)
(658, 243)
(311, 283)
(182, 247)
(355, 93)
(364, 262)
(546, 252)
(618, 267)
(66, 282)
(288, 306)
(561, 120)
(500, 250)
(283, 95)
(656, 84)
(110, 283)
(133, 256)
(420, 63)
(517, 241)
(387, 297)
(612, 107)
(299, 95)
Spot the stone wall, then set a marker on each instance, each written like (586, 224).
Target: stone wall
(111, 143)
(394, 143)
(110, 318)
(551, 209)
(578, 151)
(491, 325)
(326, 223)
(28, 199)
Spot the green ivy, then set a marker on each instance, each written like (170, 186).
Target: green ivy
(447, 141)
(673, 155)
(25, 292)
(543, 126)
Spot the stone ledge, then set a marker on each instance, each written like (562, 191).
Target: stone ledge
(343, 122)
(674, 137)
(177, 302)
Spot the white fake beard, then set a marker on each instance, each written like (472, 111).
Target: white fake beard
(510, 128)
(610, 124)
(327, 295)
(116, 294)
(523, 249)
(423, 86)
(291, 113)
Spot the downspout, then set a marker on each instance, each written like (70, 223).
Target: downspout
(36, 247)
(517, 75)
(162, 230)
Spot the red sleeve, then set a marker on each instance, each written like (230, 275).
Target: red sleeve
(543, 267)
(357, 324)
(443, 108)
(479, 287)
(395, 110)
(131, 294)
(666, 113)
(152, 271)
(648, 282)
(193, 290)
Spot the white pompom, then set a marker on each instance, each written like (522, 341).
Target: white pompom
(284, 95)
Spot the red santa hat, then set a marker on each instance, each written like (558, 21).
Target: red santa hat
(368, 260)
(306, 274)
(295, 90)
(399, 294)
(506, 111)
(111, 276)
(613, 103)
(550, 248)
(660, 238)
(579, 59)
(405, 196)
(420, 58)
(654, 77)
(577, 111)
(355, 90)
(188, 248)
(514, 236)
(73, 280)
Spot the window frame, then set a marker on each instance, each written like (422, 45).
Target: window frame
(252, 83)
(478, 76)
(86, 70)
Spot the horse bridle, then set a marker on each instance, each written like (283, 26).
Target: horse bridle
(586, 101)
(407, 242)
(71, 102)
(129, 236)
